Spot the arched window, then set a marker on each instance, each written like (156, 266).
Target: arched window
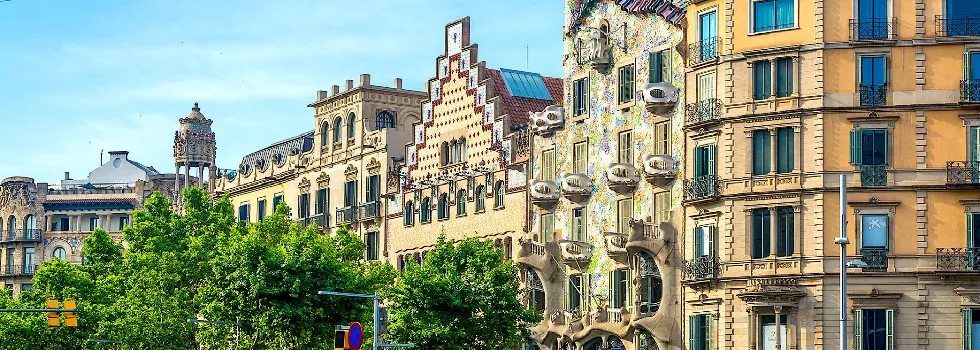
(594, 344)
(386, 119)
(425, 211)
(59, 253)
(443, 206)
(30, 227)
(614, 343)
(11, 227)
(350, 125)
(645, 341)
(325, 133)
(337, 130)
(409, 213)
(535, 290)
(445, 153)
(498, 197)
(461, 203)
(480, 196)
(651, 285)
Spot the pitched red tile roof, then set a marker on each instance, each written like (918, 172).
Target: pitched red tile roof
(518, 107)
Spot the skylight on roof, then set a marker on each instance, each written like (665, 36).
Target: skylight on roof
(525, 84)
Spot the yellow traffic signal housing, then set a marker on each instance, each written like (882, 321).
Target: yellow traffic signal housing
(70, 319)
(340, 340)
(54, 319)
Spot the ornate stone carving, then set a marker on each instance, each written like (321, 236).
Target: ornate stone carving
(373, 167)
(350, 172)
(323, 180)
(304, 185)
(16, 194)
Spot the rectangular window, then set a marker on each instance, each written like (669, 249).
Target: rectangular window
(704, 160)
(785, 230)
(869, 147)
(626, 147)
(578, 224)
(619, 282)
(10, 259)
(973, 235)
(372, 245)
(767, 337)
(350, 193)
(706, 86)
(580, 96)
(260, 204)
(761, 237)
(275, 201)
(373, 188)
(580, 158)
(627, 84)
(704, 241)
(873, 80)
(661, 207)
(785, 138)
(304, 205)
(661, 138)
(874, 231)
(874, 329)
(700, 332)
(123, 222)
(761, 152)
(547, 227)
(548, 165)
(784, 77)
(761, 80)
(971, 329)
(243, 211)
(321, 201)
(65, 224)
(660, 67)
(28, 259)
(707, 36)
(93, 223)
(771, 15)
(574, 292)
(26, 287)
(625, 211)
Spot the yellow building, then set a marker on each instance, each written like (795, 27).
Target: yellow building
(786, 96)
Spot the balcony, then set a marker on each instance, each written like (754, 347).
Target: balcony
(874, 95)
(616, 244)
(872, 29)
(595, 52)
(659, 170)
(576, 187)
(346, 215)
(17, 270)
(24, 235)
(958, 259)
(370, 210)
(946, 27)
(659, 98)
(546, 122)
(701, 187)
(970, 90)
(575, 252)
(544, 193)
(319, 221)
(876, 258)
(701, 268)
(874, 175)
(962, 173)
(704, 51)
(623, 177)
(703, 112)
(531, 248)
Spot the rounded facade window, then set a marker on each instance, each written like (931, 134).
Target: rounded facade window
(651, 285)
(59, 253)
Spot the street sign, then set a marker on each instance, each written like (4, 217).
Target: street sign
(355, 336)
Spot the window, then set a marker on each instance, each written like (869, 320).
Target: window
(480, 197)
(761, 233)
(627, 84)
(971, 329)
(498, 200)
(704, 160)
(661, 138)
(11, 226)
(869, 147)
(961, 18)
(580, 158)
(769, 15)
(303, 202)
(409, 214)
(700, 332)
(874, 329)
(10, 260)
(761, 152)
(874, 231)
(767, 335)
(971, 85)
(26, 287)
(761, 80)
(535, 290)
(350, 125)
(785, 137)
(59, 253)
(704, 241)
(93, 223)
(350, 194)
(578, 224)
(443, 208)
(580, 96)
(548, 165)
(64, 224)
(123, 222)
(973, 238)
(373, 188)
(260, 204)
(372, 245)
(425, 211)
(453, 152)
(275, 201)
(651, 284)
(626, 147)
(872, 20)
(661, 207)
(28, 260)
(707, 37)
(619, 282)
(386, 119)
(320, 205)
(445, 153)
(574, 294)
(784, 76)
(243, 211)
(873, 81)
(660, 67)
(337, 130)
(324, 133)
(625, 211)
(548, 228)
(461, 203)
(785, 228)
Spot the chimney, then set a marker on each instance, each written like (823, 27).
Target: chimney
(350, 84)
(320, 94)
(335, 90)
(67, 177)
(398, 83)
(365, 80)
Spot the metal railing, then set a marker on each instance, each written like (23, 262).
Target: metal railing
(970, 90)
(702, 267)
(958, 259)
(319, 220)
(701, 187)
(703, 111)
(23, 235)
(874, 95)
(962, 172)
(370, 210)
(876, 258)
(872, 29)
(346, 215)
(957, 26)
(13, 270)
(705, 50)
(874, 175)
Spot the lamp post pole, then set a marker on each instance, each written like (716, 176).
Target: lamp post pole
(843, 262)
(377, 320)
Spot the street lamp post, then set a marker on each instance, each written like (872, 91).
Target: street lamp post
(844, 264)
(374, 341)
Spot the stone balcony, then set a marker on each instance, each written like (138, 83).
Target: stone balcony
(544, 193)
(576, 187)
(659, 170)
(575, 253)
(660, 98)
(616, 245)
(623, 177)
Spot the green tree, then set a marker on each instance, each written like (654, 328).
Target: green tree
(463, 296)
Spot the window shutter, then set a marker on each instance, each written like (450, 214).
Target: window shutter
(709, 333)
(885, 149)
(969, 231)
(858, 326)
(629, 291)
(691, 331)
(698, 241)
(967, 334)
(856, 146)
(711, 240)
(711, 160)
(889, 329)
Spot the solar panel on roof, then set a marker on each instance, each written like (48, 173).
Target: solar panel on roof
(525, 84)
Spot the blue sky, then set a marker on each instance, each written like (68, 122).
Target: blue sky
(77, 77)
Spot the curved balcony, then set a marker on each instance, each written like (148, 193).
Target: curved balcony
(623, 177)
(575, 253)
(660, 98)
(544, 193)
(536, 255)
(546, 122)
(595, 52)
(576, 187)
(647, 236)
(616, 245)
(703, 112)
(659, 170)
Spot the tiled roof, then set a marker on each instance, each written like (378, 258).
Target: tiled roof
(518, 107)
(148, 170)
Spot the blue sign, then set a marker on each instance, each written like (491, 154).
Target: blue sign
(355, 336)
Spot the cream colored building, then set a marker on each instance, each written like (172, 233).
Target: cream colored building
(335, 174)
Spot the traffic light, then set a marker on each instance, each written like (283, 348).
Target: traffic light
(340, 339)
(70, 319)
(54, 319)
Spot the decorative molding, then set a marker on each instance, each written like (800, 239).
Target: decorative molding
(323, 180)
(350, 172)
(875, 298)
(304, 185)
(373, 167)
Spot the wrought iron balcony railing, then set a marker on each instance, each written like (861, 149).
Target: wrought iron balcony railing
(705, 50)
(872, 29)
(958, 259)
(962, 172)
(370, 210)
(319, 220)
(13, 270)
(957, 26)
(970, 90)
(874, 95)
(346, 215)
(874, 175)
(701, 187)
(876, 258)
(24, 235)
(702, 267)
(703, 111)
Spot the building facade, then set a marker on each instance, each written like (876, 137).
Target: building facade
(603, 259)
(784, 97)
(22, 237)
(465, 170)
